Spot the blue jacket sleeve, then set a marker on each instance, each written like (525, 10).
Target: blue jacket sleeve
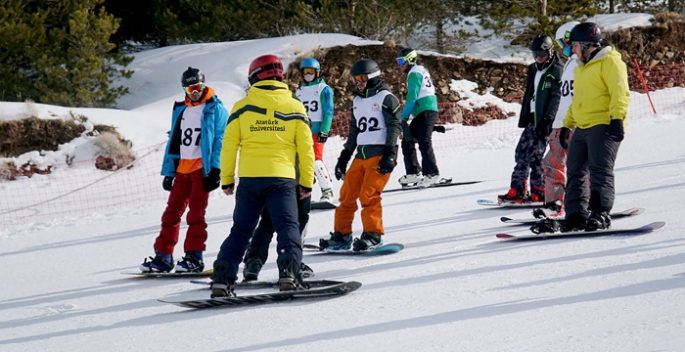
(220, 123)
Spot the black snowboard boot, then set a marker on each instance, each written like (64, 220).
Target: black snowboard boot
(366, 241)
(338, 241)
(289, 278)
(253, 265)
(222, 285)
(575, 222)
(598, 221)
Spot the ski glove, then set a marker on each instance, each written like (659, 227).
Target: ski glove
(616, 130)
(341, 166)
(541, 130)
(563, 137)
(406, 132)
(213, 180)
(322, 138)
(168, 183)
(387, 163)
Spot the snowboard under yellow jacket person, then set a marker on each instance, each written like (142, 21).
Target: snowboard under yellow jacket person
(268, 139)
(601, 92)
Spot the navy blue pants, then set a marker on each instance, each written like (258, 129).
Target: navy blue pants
(420, 130)
(279, 196)
(259, 246)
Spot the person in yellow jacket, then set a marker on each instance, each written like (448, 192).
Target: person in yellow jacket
(598, 114)
(271, 130)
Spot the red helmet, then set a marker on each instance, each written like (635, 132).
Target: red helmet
(265, 67)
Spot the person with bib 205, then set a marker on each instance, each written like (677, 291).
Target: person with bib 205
(554, 162)
(191, 170)
(422, 104)
(317, 98)
(374, 129)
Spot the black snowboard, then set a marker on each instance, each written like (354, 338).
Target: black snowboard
(231, 302)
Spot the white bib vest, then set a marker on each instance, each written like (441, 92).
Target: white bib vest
(191, 126)
(369, 115)
(566, 92)
(310, 96)
(427, 87)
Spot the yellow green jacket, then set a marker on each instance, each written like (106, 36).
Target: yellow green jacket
(271, 129)
(600, 91)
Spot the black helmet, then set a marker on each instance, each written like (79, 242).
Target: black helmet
(586, 32)
(366, 67)
(541, 42)
(409, 55)
(367, 71)
(192, 76)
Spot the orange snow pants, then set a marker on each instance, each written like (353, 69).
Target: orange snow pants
(363, 182)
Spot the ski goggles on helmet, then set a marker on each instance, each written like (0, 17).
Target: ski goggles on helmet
(540, 53)
(401, 61)
(563, 42)
(359, 78)
(194, 88)
(308, 71)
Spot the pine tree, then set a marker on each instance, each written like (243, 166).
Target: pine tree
(511, 18)
(64, 54)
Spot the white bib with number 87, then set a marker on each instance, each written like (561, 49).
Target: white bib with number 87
(369, 115)
(191, 128)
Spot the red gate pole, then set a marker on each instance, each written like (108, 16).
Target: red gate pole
(644, 85)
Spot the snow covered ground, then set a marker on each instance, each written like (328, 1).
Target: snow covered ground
(455, 287)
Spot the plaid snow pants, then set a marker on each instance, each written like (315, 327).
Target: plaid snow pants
(554, 165)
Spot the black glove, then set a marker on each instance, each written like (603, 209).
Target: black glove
(212, 180)
(439, 129)
(387, 162)
(563, 137)
(341, 166)
(541, 130)
(322, 138)
(168, 183)
(406, 132)
(616, 130)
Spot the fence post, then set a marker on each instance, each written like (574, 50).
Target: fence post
(644, 85)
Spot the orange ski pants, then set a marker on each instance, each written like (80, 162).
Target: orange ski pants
(363, 182)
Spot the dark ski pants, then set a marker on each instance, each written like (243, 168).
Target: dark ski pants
(263, 234)
(590, 151)
(421, 130)
(188, 191)
(529, 154)
(279, 195)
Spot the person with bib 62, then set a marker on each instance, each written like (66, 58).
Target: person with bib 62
(374, 128)
(191, 170)
(422, 104)
(317, 98)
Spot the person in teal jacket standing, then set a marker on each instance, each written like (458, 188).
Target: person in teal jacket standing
(422, 104)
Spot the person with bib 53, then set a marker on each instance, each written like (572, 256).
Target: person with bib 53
(317, 98)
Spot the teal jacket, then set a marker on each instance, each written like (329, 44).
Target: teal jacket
(414, 106)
